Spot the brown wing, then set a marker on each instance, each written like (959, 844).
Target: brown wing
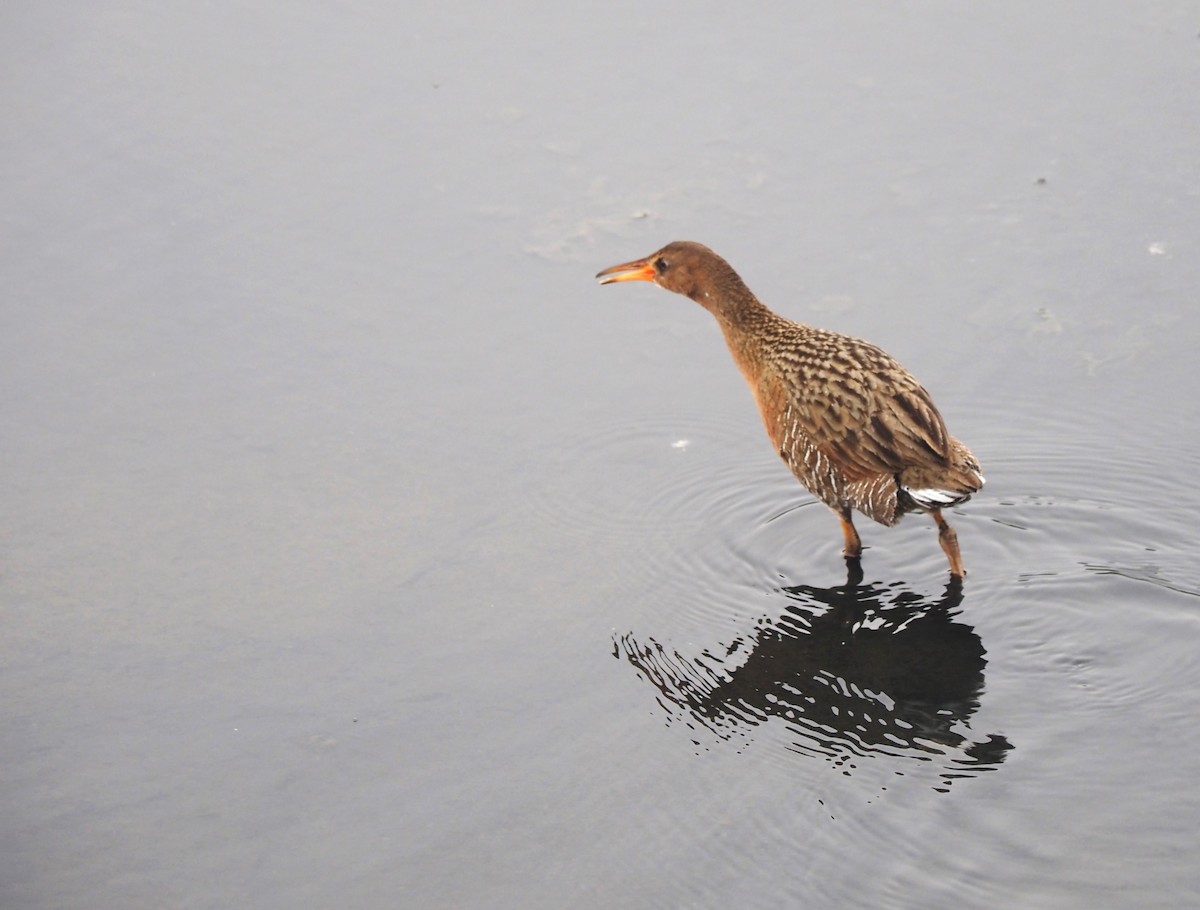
(862, 409)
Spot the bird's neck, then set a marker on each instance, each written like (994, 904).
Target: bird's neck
(752, 331)
(726, 296)
(742, 316)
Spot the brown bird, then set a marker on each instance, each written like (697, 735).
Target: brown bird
(851, 423)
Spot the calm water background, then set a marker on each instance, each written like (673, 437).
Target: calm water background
(358, 550)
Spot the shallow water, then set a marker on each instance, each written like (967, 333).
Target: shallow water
(359, 550)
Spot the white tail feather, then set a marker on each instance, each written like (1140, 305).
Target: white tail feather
(934, 498)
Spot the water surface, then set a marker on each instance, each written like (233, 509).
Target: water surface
(359, 550)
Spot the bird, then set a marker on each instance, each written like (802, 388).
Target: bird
(854, 426)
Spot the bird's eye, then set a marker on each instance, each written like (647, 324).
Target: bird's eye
(660, 265)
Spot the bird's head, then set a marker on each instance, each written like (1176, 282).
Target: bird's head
(684, 267)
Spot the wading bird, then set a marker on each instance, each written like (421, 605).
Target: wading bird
(851, 423)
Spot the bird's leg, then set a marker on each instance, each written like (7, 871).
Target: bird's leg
(949, 541)
(853, 548)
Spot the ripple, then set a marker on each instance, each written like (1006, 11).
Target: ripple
(1069, 493)
(750, 640)
(637, 479)
(1147, 573)
(693, 496)
(696, 502)
(881, 682)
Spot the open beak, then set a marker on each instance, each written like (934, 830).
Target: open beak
(638, 270)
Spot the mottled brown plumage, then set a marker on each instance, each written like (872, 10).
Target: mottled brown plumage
(851, 423)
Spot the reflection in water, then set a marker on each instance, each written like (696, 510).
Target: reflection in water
(850, 671)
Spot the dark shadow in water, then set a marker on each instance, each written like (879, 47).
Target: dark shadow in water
(850, 671)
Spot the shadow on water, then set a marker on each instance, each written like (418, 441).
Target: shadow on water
(850, 672)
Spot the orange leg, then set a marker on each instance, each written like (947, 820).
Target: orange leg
(949, 541)
(853, 548)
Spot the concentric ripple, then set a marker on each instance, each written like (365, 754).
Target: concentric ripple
(687, 501)
(740, 652)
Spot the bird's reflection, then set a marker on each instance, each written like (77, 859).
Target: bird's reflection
(849, 671)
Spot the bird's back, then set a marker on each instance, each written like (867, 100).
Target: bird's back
(852, 424)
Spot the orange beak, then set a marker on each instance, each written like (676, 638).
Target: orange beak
(638, 270)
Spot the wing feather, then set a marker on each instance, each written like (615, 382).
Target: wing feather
(862, 409)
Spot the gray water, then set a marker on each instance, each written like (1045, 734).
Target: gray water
(358, 550)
